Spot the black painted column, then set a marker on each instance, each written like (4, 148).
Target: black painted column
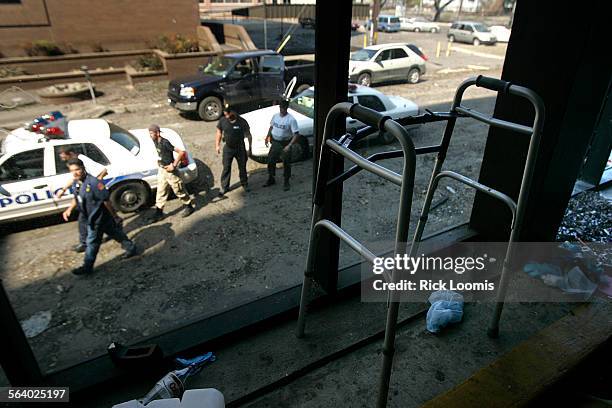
(332, 47)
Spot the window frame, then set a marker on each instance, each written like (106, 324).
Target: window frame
(13, 156)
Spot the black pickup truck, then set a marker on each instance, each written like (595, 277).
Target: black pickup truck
(237, 79)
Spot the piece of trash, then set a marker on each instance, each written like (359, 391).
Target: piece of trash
(438, 203)
(172, 385)
(36, 324)
(573, 281)
(452, 190)
(446, 308)
(199, 360)
(199, 397)
(140, 357)
(129, 404)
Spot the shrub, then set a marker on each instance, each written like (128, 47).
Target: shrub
(98, 48)
(6, 72)
(43, 48)
(69, 49)
(149, 62)
(176, 44)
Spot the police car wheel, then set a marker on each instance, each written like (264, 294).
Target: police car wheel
(210, 108)
(129, 197)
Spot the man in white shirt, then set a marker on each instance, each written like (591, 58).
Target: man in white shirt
(283, 134)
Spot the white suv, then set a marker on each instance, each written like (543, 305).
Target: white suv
(471, 32)
(385, 62)
(31, 171)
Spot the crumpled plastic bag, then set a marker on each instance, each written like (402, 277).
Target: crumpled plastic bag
(446, 308)
(572, 281)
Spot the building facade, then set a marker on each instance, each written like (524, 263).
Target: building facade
(87, 25)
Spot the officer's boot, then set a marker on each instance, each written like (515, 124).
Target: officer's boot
(188, 210)
(270, 181)
(130, 249)
(157, 216)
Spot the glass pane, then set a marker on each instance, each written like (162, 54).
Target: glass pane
(271, 64)
(22, 166)
(64, 153)
(232, 249)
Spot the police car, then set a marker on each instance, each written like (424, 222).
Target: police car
(31, 170)
(301, 107)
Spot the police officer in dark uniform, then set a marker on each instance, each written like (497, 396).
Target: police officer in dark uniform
(232, 129)
(91, 198)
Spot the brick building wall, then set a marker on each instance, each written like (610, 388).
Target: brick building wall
(113, 24)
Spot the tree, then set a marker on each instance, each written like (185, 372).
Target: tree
(375, 11)
(496, 8)
(459, 10)
(440, 5)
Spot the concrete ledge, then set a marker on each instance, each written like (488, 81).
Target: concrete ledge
(534, 365)
(42, 80)
(182, 64)
(64, 63)
(133, 76)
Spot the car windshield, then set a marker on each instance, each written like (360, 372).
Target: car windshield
(219, 66)
(362, 55)
(124, 138)
(481, 28)
(304, 103)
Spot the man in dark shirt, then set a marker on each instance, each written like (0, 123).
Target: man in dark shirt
(167, 174)
(91, 198)
(232, 129)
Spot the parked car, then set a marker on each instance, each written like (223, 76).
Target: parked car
(307, 22)
(389, 24)
(418, 51)
(501, 33)
(355, 26)
(302, 109)
(418, 24)
(236, 79)
(471, 32)
(31, 171)
(384, 62)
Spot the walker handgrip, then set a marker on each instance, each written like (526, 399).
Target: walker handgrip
(493, 84)
(366, 115)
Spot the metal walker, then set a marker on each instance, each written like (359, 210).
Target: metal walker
(375, 120)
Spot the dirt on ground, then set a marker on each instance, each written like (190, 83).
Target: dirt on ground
(230, 250)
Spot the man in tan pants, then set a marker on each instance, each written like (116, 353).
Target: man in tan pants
(167, 175)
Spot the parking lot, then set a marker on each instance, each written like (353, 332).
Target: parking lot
(230, 250)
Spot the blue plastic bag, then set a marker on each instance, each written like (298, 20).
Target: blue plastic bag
(446, 308)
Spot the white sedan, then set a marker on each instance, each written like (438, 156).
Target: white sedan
(302, 109)
(31, 171)
(417, 24)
